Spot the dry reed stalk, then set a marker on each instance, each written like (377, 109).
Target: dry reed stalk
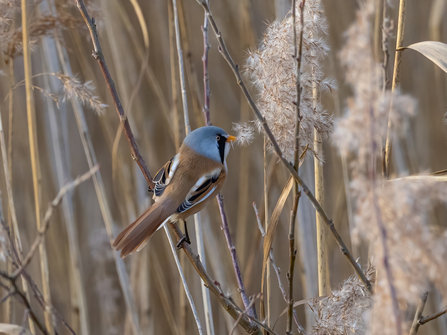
(247, 40)
(91, 24)
(199, 236)
(379, 220)
(182, 276)
(323, 275)
(187, 131)
(80, 306)
(191, 76)
(181, 69)
(268, 275)
(10, 303)
(174, 82)
(11, 206)
(149, 71)
(232, 249)
(386, 33)
(209, 321)
(206, 77)
(100, 191)
(418, 315)
(298, 54)
(35, 164)
(277, 271)
(396, 82)
(378, 24)
(250, 325)
(163, 293)
(62, 175)
(235, 68)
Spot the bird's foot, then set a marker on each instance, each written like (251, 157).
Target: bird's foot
(185, 238)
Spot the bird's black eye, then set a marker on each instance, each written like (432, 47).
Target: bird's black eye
(218, 138)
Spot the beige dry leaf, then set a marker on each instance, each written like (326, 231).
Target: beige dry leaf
(13, 329)
(435, 51)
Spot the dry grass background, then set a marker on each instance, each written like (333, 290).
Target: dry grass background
(153, 278)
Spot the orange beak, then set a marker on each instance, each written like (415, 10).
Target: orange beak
(231, 138)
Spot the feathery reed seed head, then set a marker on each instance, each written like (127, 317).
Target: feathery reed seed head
(415, 253)
(272, 71)
(342, 312)
(85, 92)
(244, 133)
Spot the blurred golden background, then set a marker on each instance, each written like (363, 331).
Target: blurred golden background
(69, 134)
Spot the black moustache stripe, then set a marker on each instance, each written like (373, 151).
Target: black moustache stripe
(221, 144)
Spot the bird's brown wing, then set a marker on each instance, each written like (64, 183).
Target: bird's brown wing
(164, 176)
(201, 191)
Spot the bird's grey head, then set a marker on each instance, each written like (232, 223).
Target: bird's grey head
(211, 142)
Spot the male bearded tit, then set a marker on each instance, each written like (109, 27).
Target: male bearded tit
(183, 186)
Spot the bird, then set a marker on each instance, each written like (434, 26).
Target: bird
(183, 186)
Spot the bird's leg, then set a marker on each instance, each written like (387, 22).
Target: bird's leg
(185, 238)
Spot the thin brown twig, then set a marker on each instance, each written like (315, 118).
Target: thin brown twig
(252, 301)
(249, 326)
(232, 249)
(98, 55)
(380, 223)
(277, 272)
(35, 158)
(298, 54)
(206, 77)
(46, 220)
(235, 68)
(417, 316)
(431, 317)
(395, 84)
(15, 291)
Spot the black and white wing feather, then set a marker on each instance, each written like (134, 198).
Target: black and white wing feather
(164, 176)
(204, 187)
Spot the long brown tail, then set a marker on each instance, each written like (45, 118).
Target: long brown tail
(138, 233)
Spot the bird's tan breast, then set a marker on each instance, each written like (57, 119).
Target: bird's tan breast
(191, 168)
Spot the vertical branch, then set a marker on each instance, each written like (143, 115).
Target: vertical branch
(35, 164)
(199, 237)
(206, 78)
(174, 92)
(266, 223)
(182, 276)
(323, 277)
(379, 221)
(386, 54)
(97, 53)
(98, 183)
(396, 82)
(15, 237)
(181, 69)
(10, 306)
(205, 292)
(298, 53)
(187, 131)
(232, 249)
(415, 325)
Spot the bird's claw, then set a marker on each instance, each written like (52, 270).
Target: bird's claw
(184, 238)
